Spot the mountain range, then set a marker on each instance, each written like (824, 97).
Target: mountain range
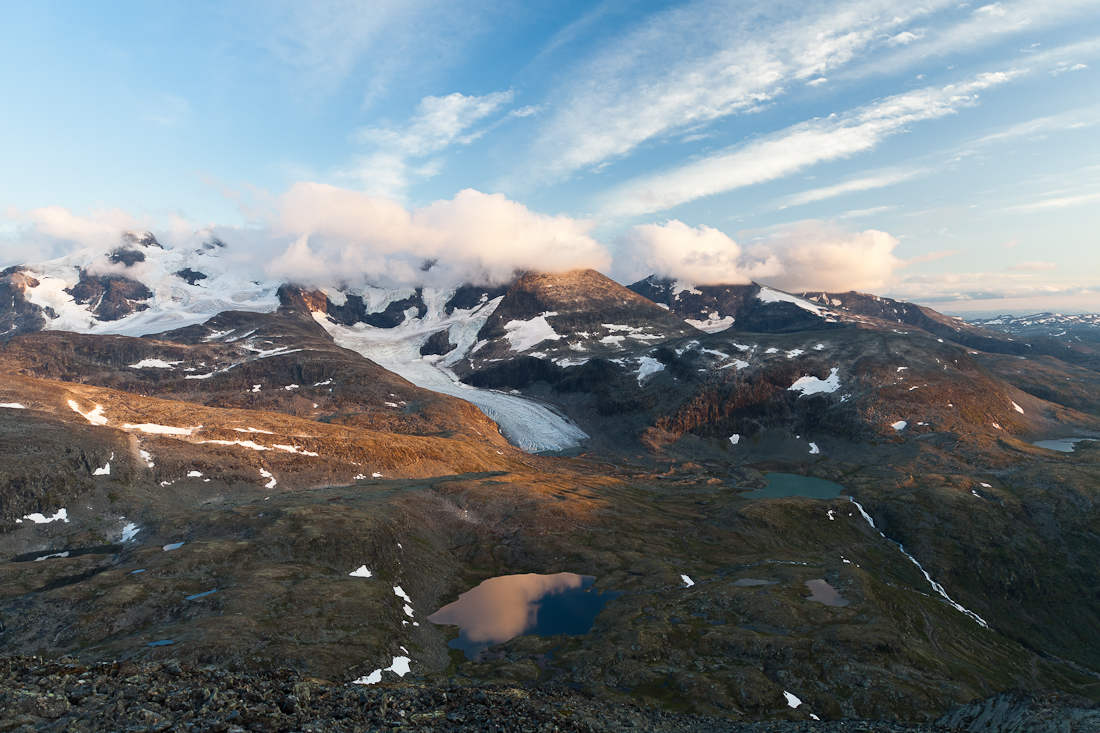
(196, 462)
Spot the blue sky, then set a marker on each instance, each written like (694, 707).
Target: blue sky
(948, 155)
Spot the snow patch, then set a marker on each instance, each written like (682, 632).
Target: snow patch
(37, 518)
(172, 546)
(194, 474)
(1018, 408)
(399, 666)
(155, 364)
(713, 324)
(130, 531)
(105, 471)
(688, 582)
(899, 425)
(792, 700)
(812, 385)
(160, 429)
(12, 405)
(361, 572)
(522, 335)
(647, 365)
(814, 450)
(735, 438)
(95, 417)
(767, 295)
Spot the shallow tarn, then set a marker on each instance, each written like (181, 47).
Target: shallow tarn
(791, 484)
(1062, 445)
(508, 606)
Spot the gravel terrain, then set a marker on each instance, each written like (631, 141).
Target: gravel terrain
(65, 695)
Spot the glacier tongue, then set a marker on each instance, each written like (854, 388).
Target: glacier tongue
(529, 425)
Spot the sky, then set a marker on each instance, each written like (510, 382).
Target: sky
(946, 154)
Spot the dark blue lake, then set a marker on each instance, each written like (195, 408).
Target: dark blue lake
(790, 484)
(508, 606)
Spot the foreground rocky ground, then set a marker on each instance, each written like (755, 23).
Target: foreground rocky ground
(66, 695)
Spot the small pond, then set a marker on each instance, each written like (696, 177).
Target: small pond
(753, 581)
(1063, 445)
(508, 606)
(822, 592)
(790, 484)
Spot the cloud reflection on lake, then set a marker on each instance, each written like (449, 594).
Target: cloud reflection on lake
(502, 608)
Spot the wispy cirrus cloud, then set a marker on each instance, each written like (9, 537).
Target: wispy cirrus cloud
(695, 64)
(1054, 201)
(854, 185)
(438, 123)
(1033, 266)
(795, 148)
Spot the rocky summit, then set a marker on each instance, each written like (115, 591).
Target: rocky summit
(230, 505)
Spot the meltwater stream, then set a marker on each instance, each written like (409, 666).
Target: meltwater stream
(938, 588)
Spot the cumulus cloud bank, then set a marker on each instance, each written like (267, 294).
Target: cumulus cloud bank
(321, 235)
(475, 237)
(810, 255)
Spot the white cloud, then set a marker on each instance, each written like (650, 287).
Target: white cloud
(1062, 68)
(904, 38)
(438, 123)
(795, 148)
(996, 10)
(809, 255)
(340, 236)
(693, 255)
(54, 231)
